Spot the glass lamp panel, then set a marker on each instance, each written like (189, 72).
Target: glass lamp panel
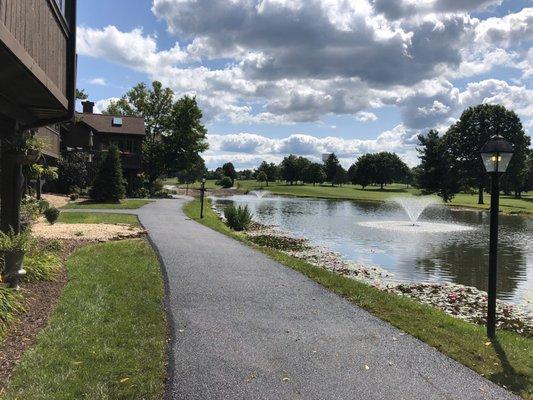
(490, 161)
(505, 159)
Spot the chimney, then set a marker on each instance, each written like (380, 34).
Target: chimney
(88, 107)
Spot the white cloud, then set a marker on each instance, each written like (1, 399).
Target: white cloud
(364, 116)
(511, 29)
(101, 105)
(98, 82)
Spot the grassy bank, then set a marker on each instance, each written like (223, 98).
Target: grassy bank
(126, 204)
(508, 204)
(97, 218)
(107, 336)
(506, 361)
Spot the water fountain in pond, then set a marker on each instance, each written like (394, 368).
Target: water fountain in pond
(414, 207)
(259, 193)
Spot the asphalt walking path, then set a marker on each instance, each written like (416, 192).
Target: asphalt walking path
(247, 327)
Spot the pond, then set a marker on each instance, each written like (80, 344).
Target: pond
(381, 234)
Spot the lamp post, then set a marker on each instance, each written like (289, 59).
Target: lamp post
(496, 155)
(202, 195)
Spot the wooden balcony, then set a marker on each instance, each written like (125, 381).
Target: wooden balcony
(37, 55)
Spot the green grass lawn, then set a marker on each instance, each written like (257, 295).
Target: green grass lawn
(107, 336)
(508, 204)
(507, 361)
(127, 204)
(97, 218)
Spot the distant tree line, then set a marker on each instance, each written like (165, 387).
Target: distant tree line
(449, 163)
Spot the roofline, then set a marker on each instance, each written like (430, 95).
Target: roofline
(109, 115)
(109, 133)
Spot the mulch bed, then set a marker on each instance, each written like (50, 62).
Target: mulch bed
(40, 300)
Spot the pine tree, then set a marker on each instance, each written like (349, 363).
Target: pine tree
(108, 185)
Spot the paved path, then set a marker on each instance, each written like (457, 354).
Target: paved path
(246, 327)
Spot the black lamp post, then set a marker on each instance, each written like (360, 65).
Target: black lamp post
(202, 195)
(496, 155)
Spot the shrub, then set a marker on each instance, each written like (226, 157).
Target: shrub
(43, 206)
(162, 194)
(225, 182)
(72, 173)
(10, 306)
(51, 215)
(29, 211)
(108, 185)
(41, 266)
(74, 196)
(238, 218)
(15, 242)
(141, 193)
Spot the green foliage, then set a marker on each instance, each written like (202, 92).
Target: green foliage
(262, 177)
(43, 206)
(10, 306)
(30, 209)
(229, 170)
(107, 336)
(379, 168)
(108, 185)
(41, 265)
(314, 173)
(271, 170)
(436, 172)
(475, 127)
(72, 173)
(15, 242)
(81, 95)
(225, 182)
(331, 166)
(290, 169)
(238, 218)
(193, 172)
(278, 242)
(51, 214)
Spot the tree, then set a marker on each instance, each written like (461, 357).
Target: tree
(229, 171)
(174, 132)
(245, 174)
(474, 128)
(108, 185)
(72, 173)
(194, 172)
(271, 170)
(388, 168)
(341, 176)
(262, 177)
(290, 169)
(81, 95)
(362, 171)
(314, 174)
(303, 163)
(330, 167)
(436, 172)
(186, 137)
(529, 171)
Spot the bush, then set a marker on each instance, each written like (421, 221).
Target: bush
(72, 173)
(162, 194)
(238, 218)
(15, 242)
(29, 211)
(41, 266)
(108, 185)
(51, 215)
(141, 193)
(74, 196)
(10, 306)
(225, 182)
(43, 206)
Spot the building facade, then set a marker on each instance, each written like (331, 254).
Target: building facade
(92, 134)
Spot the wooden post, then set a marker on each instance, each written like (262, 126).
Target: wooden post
(11, 182)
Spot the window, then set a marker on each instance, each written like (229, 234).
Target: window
(117, 121)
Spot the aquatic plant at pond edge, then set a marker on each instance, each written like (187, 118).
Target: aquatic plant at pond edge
(238, 218)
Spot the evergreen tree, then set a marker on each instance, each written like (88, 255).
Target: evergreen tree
(108, 185)
(341, 176)
(229, 171)
(314, 174)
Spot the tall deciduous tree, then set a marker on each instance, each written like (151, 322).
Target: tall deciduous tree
(362, 171)
(290, 169)
(436, 172)
(314, 174)
(229, 171)
(474, 128)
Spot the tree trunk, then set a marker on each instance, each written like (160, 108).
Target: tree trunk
(39, 188)
(517, 194)
(267, 183)
(480, 195)
(381, 186)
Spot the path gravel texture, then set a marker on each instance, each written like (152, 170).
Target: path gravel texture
(247, 327)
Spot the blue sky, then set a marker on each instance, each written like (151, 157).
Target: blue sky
(306, 77)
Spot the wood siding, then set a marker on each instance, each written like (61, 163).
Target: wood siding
(35, 25)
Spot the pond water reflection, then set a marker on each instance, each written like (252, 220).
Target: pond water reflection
(456, 256)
